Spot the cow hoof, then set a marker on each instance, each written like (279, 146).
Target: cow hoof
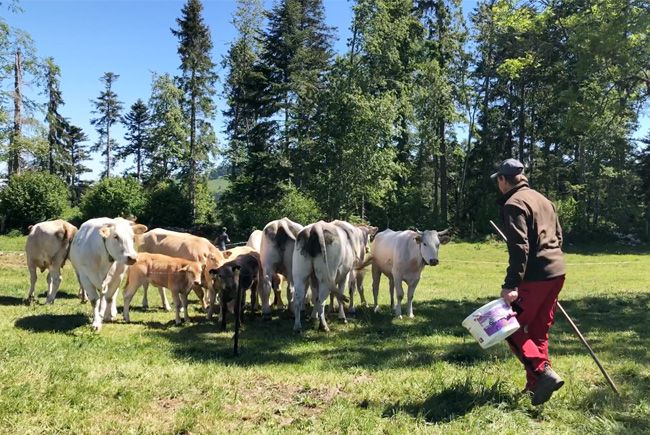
(376, 310)
(324, 328)
(49, 301)
(97, 328)
(411, 316)
(344, 321)
(266, 316)
(145, 306)
(167, 308)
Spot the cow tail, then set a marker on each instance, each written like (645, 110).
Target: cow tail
(287, 229)
(323, 247)
(365, 264)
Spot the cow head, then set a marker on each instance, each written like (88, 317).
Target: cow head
(118, 240)
(192, 273)
(429, 243)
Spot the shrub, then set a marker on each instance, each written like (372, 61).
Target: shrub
(33, 197)
(296, 205)
(168, 206)
(113, 197)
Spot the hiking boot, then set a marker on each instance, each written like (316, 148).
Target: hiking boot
(547, 383)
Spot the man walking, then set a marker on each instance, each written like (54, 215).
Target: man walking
(535, 274)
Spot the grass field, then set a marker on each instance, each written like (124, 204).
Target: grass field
(375, 374)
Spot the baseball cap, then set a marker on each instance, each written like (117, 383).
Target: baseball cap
(508, 167)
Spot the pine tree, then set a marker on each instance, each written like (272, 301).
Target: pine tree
(198, 84)
(76, 153)
(168, 129)
(136, 123)
(53, 117)
(109, 109)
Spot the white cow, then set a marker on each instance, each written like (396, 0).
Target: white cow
(47, 247)
(255, 242)
(276, 255)
(100, 253)
(401, 256)
(360, 236)
(326, 252)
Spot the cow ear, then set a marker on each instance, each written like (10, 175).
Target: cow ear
(444, 239)
(105, 231)
(373, 230)
(227, 254)
(418, 239)
(139, 228)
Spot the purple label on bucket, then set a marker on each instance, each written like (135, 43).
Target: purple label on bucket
(494, 320)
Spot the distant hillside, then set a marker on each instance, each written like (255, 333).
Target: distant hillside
(218, 185)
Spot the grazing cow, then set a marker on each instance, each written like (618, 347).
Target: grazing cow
(276, 254)
(222, 239)
(47, 247)
(401, 256)
(359, 236)
(323, 252)
(233, 278)
(100, 253)
(187, 246)
(255, 242)
(176, 274)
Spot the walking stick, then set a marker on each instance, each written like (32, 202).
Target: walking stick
(575, 329)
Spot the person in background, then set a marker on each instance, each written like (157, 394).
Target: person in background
(535, 274)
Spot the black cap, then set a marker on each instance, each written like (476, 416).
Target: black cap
(509, 167)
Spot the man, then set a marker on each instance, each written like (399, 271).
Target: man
(535, 274)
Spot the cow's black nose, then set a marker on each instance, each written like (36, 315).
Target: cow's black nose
(434, 262)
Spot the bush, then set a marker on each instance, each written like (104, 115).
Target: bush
(33, 197)
(296, 205)
(113, 197)
(168, 206)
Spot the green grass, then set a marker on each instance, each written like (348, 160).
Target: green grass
(375, 374)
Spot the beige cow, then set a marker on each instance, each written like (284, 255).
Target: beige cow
(176, 274)
(47, 247)
(187, 246)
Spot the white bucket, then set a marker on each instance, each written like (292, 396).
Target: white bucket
(492, 323)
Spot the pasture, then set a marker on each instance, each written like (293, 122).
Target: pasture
(375, 374)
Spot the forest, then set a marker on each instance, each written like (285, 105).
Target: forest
(400, 130)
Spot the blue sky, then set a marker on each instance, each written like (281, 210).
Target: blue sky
(133, 39)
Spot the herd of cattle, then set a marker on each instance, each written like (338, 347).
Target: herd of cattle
(325, 257)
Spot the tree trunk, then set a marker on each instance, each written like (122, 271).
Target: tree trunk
(444, 194)
(192, 151)
(522, 122)
(108, 147)
(14, 157)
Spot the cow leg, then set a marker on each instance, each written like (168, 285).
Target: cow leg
(397, 281)
(341, 290)
(177, 306)
(201, 295)
(391, 291)
(277, 291)
(300, 279)
(129, 292)
(376, 279)
(266, 294)
(323, 292)
(53, 284)
(331, 307)
(359, 275)
(111, 305)
(352, 287)
(212, 297)
(411, 292)
(145, 298)
(163, 299)
(32, 280)
(222, 311)
(183, 296)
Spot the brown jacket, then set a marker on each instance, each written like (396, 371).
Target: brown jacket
(534, 236)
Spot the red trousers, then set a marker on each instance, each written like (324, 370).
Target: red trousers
(535, 308)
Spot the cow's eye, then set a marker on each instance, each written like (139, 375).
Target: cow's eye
(425, 244)
(115, 237)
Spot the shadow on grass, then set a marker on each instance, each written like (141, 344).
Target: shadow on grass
(11, 301)
(453, 402)
(52, 322)
(605, 249)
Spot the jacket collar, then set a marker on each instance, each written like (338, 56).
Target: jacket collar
(506, 196)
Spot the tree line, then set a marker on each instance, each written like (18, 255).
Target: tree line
(402, 129)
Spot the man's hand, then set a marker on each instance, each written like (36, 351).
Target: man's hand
(509, 295)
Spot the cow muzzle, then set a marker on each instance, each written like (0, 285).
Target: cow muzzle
(131, 259)
(433, 262)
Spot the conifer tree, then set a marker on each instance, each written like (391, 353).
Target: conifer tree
(136, 123)
(108, 108)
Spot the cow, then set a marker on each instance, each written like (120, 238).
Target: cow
(47, 247)
(276, 254)
(255, 242)
(222, 239)
(401, 256)
(360, 236)
(325, 253)
(100, 253)
(176, 274)
(231, 255)
(233, 278)
(183, 245)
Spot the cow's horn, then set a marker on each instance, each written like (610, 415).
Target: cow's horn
(442, 233)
